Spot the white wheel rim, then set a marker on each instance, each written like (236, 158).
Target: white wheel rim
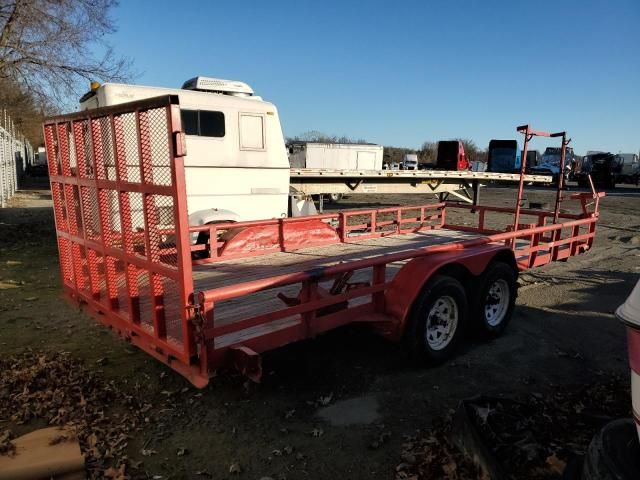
(496, 302)
(442, 322)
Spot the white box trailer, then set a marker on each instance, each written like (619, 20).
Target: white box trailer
(335, 156)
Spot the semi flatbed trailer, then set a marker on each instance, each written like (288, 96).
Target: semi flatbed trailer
(127, 254)
(464, 185)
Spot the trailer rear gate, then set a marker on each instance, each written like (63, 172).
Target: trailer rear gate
(117, 181)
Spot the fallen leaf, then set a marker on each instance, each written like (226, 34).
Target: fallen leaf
(555, 464)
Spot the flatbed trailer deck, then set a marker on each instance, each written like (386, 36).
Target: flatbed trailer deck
(464, 185)
(127, 254)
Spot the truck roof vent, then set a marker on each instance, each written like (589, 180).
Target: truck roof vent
(218, 85)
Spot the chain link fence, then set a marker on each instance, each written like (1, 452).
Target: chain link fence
(16, 156)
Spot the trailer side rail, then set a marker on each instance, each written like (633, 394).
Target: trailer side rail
(311, 311)
(285, 234)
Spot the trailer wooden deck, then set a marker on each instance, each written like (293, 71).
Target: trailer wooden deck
(230, 272)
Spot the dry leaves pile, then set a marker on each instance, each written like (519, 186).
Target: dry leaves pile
(434, 457)
(6, 445)
(536, 436)
(58, 389)
(532, 437)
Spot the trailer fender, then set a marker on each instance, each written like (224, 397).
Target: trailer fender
(286, 236)
(464, 265)
(212, 215)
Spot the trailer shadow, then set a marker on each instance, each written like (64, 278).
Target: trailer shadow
(544, 349)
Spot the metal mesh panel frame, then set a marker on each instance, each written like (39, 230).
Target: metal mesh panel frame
(111, 170)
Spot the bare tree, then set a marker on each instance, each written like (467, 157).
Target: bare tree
(27, 114)
(48, 46)
(428, 153)
(319, 137)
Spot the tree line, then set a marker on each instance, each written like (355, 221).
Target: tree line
(49, 51)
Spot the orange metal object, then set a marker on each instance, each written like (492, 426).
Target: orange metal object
(118, 186)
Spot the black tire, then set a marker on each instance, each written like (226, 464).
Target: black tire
(614, 453)
(440, 293)
(492, 322)
(334, 197)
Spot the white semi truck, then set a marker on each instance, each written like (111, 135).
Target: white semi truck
(235, 147)
(237, 165)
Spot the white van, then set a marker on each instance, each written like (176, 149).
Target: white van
(236, 166)
(410, 161)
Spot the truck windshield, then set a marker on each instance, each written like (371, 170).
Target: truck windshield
(503, 159)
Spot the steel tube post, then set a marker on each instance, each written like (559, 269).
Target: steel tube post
(523, 165)
(563, 151)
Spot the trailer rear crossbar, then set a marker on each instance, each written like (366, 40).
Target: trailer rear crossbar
(212, 296)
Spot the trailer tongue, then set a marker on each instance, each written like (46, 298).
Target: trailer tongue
(126, 252)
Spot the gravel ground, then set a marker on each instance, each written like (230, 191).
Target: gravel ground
(300, 423)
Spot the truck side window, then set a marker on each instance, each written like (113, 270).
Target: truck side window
(204, 123)
(211, 124)
(189, 121)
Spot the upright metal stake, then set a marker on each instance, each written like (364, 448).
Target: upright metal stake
(563, 151)
(523, 165)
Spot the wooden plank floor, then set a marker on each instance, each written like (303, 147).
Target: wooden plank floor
(230, 272)
(216, 275)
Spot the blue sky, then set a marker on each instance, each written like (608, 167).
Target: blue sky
(402, 72)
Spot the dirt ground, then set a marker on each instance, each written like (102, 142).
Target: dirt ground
(338, 406)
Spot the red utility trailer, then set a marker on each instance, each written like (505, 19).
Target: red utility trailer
(128, 254)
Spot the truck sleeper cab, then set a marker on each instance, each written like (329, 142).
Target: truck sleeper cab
(236, 167)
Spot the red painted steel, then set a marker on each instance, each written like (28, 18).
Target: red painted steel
(633, 346)
(118, 185)
(246, 239)
(117, 181)
(529, 133)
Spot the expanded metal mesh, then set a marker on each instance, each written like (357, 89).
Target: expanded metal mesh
(118, 205)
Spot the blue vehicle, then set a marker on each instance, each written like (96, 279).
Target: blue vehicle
(504, 156)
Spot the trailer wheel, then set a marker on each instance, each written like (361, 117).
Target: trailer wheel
(334, 197)
(494, 299)
(437, 321)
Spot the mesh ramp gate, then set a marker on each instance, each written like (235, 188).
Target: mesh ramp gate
(117, 181)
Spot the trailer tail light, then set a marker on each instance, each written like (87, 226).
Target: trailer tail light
(629, 314)
(633, 342)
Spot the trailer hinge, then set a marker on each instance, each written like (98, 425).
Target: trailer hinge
(198, 320)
